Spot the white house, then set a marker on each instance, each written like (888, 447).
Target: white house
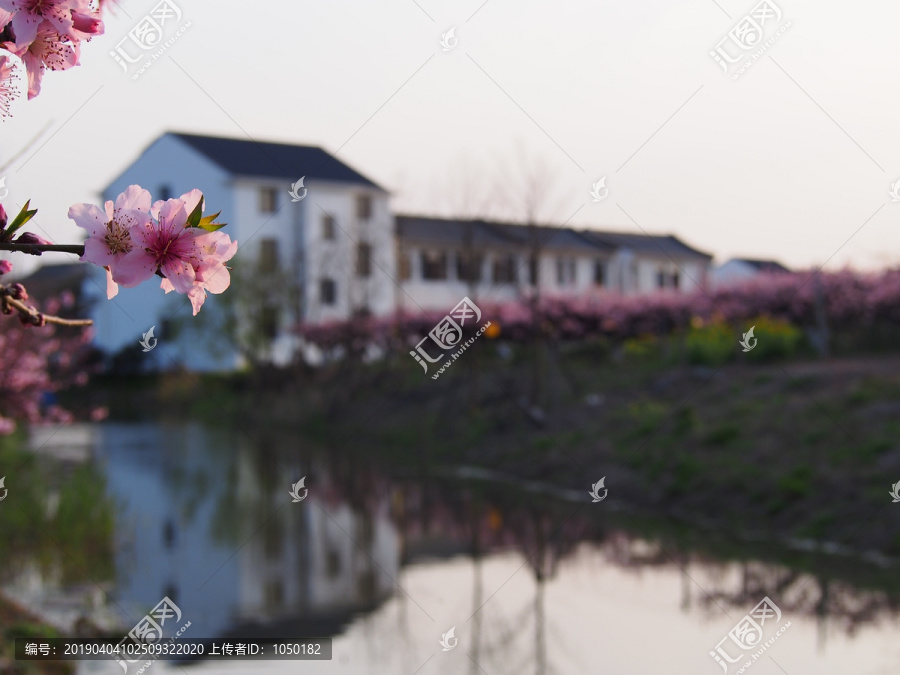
(737, 270)
(333, 239)
(339, 250)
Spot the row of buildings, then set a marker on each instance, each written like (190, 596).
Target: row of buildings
(330, 247)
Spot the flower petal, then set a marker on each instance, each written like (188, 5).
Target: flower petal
(134, 197)
(135, 267)
(90, 217)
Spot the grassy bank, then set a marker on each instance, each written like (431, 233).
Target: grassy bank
(801, 451)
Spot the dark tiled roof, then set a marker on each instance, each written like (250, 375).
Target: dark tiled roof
(763, 265)
(450, 232)
(57, 277)
(482, 233)
(650, 244)
(548, 237)
(51, 280)
(255, 158)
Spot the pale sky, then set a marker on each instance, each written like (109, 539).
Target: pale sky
(790, 161)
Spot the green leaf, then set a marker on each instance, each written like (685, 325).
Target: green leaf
(208, 223)
(24, 216)
(194, 219)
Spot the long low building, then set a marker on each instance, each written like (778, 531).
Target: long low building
(441, 260)
(319, 242)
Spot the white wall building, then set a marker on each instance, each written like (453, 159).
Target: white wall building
(335, 243)
(344, 252)
(738, 270)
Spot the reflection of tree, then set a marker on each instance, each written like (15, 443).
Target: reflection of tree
(442, 517)
(56, 514)
(546, 531)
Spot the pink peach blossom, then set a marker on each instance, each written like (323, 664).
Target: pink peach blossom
(210, 273)
(75, 19)
(109, 232)
(9, 75)
(49, 49)
(166, 246)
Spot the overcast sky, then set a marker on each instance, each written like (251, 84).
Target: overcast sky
(794, 160)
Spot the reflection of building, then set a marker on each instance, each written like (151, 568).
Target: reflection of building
(737, 270)
(197, 525)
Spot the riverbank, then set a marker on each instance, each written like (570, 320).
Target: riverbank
(801, 453)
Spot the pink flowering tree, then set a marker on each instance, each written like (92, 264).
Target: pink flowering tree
(132, 238)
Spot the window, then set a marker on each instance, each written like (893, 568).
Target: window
(665, 279)
(274, 594)
(327, 291)
(273, 541)
(165, 192)
(332, 563)
(533, 270)
(565, 271)
(269, 318)
(268, 254)
(434, 265)
(405, 264)
(363, 207)
(168, 329)
(505, 269)
(169, 533)
(328, 227)
(599, 273)
(364, 260)
(268, 200)
(468, 267)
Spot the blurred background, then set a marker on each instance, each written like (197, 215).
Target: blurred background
(672, 275)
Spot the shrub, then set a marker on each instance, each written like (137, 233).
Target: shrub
(777, 338)
(710, 345)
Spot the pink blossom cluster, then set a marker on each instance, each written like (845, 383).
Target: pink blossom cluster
(848, 300)
(37, 363)
(44, 34)
(134, 240)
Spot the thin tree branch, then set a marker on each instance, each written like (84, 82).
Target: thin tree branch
(30, 315)
(37, 249)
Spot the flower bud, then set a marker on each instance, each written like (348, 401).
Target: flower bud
(32, 238)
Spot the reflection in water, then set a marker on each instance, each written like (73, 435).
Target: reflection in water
(208, 521)
(205, 518)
